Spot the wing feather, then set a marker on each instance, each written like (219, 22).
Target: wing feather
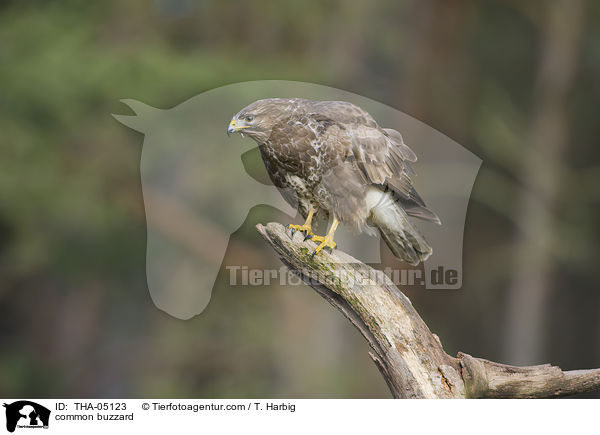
(379, 155)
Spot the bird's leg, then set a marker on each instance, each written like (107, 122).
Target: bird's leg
(327, 241)
(306, 228)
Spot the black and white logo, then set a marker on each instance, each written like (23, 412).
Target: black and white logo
(26, 414)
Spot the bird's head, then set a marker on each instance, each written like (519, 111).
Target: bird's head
(258, 119)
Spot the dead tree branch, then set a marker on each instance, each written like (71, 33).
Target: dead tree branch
(409, 356)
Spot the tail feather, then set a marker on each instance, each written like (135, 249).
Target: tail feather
(402, 238)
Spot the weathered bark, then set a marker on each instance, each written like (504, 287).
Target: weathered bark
(409, 356)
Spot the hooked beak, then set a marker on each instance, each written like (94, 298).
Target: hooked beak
(232, 128)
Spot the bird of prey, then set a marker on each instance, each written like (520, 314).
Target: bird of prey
(331, 158)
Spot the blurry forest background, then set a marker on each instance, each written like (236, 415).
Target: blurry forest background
(517, 83)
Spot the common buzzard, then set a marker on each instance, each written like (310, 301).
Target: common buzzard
(331, 158)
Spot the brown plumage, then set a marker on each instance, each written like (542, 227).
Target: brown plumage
(332, 158)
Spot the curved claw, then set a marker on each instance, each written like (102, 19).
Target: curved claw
(292, 230)
(324, 243)
(305, 229)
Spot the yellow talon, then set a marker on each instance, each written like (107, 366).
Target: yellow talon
(306, 228)
(326, 241)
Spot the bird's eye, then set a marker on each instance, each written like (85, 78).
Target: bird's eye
(249, 118)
